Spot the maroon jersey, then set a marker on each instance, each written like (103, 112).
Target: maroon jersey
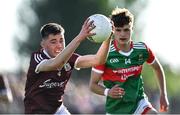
(44, 90)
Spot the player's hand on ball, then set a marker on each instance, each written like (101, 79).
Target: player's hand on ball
(103, 28)
(112, 31)
(116, 92)
(86, 29)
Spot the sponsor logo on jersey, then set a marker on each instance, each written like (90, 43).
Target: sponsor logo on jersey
(49, 84)
(114, 60)
(124, 73)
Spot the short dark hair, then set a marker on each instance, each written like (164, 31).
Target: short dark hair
(121, 17)
(51, 28)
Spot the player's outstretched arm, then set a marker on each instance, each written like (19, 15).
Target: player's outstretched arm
(96, 59)
(164, 103)
(63, 57)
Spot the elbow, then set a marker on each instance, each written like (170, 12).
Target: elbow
(91, 87)
(101, 61)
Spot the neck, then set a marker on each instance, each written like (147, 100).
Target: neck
(125, 47)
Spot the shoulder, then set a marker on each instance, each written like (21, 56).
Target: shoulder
(74, 57)
(38, 56)
(112, 48)
(139, 45)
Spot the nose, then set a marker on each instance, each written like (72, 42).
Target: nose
(123, 33)
(59, 45)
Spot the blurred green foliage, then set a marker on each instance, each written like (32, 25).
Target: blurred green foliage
(172, 79)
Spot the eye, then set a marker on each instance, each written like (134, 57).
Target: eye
(61, 41)
(53, 42)
(118, 30)
(126, 30)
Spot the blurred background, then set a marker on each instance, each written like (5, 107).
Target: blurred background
(156, 23)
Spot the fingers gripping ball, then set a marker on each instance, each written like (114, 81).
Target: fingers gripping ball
(103, 28)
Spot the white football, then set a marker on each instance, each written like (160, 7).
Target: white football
(103, 28)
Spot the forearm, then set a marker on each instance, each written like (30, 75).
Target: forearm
(93, 60)
(160, 76)
(162, 82)
(102, 53)
(64, 56)
(98, 89)
(61, 58)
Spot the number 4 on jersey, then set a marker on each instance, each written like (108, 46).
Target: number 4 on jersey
(127, 61)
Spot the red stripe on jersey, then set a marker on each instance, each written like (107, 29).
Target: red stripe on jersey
(100, 67)
(151, 56)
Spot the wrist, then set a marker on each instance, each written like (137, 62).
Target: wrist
(106, 91)
(80, 37)
(163, 94)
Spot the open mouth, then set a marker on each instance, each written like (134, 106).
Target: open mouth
(122, 39)
(58, 51)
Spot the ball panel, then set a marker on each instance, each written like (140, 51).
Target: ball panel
(103, 28)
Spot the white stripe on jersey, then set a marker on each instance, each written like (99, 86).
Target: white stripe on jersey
(75, 64)
(139, 43)
(139, 46)
(112, 48)
(38, 58)
(97, 71)
(35, 58)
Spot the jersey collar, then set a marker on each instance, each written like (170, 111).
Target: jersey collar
(45, 52)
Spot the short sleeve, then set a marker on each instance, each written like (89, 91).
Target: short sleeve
(151, 56)
(99, 69)
(36, 60)
(74, 59)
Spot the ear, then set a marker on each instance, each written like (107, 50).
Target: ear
(42, 43)
(132, 28)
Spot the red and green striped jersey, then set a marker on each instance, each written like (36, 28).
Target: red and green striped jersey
(124, 68)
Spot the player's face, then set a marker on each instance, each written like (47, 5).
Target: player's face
(123, 34)
(54, 44)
